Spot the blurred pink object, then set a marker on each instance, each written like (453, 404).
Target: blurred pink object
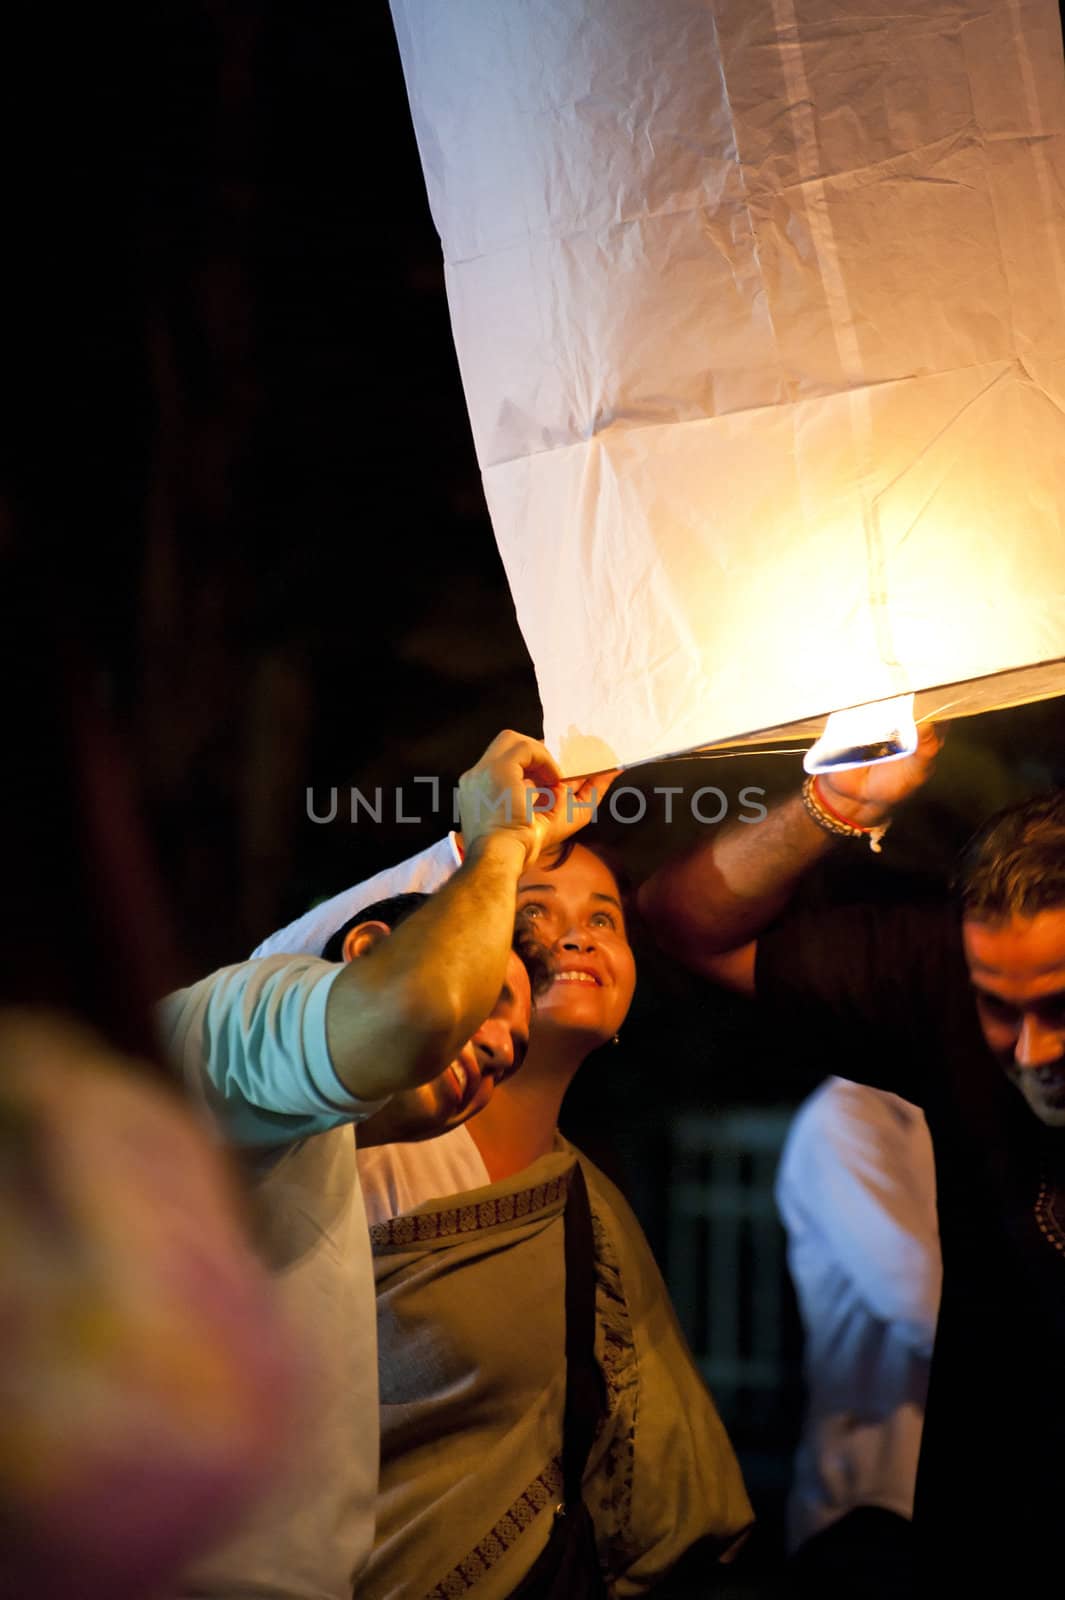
(146, 1380)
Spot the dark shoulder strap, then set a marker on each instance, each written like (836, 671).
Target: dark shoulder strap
(585, 1395)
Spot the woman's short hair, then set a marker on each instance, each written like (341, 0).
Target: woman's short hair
(613, 863)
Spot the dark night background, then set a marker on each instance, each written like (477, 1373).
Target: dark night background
(242, 478)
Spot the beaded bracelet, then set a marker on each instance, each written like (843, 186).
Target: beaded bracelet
(818, 809)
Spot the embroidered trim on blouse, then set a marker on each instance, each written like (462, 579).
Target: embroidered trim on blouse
(416, 1227)
(616, 1354)
(546, 1490)
(1049, 1225)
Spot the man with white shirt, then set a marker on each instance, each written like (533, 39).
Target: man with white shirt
(287, 1053)
(957, 1005)
(856, 1192)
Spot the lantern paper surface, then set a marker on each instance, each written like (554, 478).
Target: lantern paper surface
(760, 312)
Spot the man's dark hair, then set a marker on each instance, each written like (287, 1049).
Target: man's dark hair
(398, 907)
(1014, 866)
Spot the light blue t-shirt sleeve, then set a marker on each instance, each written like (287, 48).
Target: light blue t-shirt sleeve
(250, 1042)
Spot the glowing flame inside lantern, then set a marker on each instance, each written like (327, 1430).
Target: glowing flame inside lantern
(884, 730)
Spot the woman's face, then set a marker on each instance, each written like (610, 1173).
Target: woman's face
(575, 910)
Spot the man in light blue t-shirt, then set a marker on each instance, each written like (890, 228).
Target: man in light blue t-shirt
(287, 1053)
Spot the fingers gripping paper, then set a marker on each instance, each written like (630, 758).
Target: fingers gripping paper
(760, 312)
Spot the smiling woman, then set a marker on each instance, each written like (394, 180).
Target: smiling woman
(471, 1286)
(573, 904)
(468, 1237)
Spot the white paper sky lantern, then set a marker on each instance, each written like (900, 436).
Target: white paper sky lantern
(760, 312)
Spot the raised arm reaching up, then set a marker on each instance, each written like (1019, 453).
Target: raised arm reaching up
(394, 1021)
(709, 906)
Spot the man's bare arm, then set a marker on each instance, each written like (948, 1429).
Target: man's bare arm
(709, 906)
(395, 1018)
